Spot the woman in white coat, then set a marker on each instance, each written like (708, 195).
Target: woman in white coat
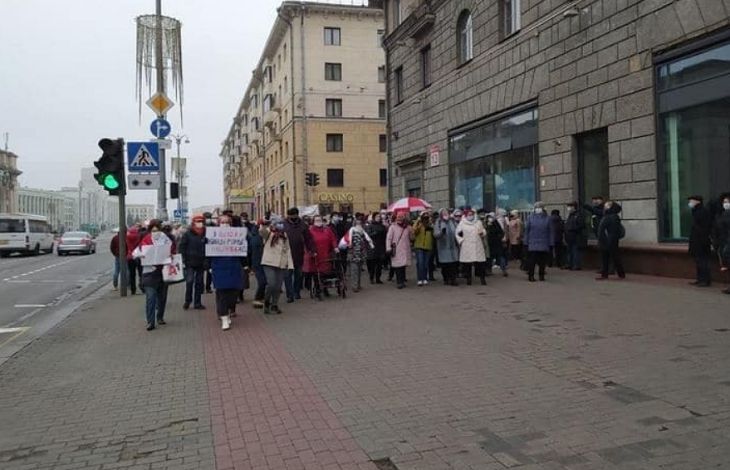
(469, 235)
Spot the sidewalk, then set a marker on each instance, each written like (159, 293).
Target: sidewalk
(566, 374)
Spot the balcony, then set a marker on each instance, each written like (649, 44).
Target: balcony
(271, 116)
(244, 149)
(254, 136)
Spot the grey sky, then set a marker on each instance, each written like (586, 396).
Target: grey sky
(67, 78)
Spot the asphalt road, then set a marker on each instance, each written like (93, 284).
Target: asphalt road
(38, 291)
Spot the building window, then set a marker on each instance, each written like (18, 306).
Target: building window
(334, 142)
(286, 85)
(398, 79)
(464, 37)
(332, 36)
(284, 52)
(383, 177)
(255, 101)
(426, 66)
(381, 109)
(397, 12)
(383, 143)
(495, 164)
(269, 74)
(693, 103)
(335, 177)
(381, 35)
(512, 17)
(593, 169)
(255, 122)
(333, 107)
(381, 74)
(333, 72)
(269, 101)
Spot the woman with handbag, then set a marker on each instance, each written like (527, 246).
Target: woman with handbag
(398, 247)
(153, 283)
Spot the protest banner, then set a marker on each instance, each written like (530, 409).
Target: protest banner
(226, 241)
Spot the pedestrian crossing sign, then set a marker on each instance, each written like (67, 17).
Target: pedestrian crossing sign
(143, 157)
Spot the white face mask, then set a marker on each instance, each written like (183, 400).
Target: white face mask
(470, 218)
(571, 209)
(318, 223)
(225, 225)
(538, 210)
(726, 206)
(198, 224)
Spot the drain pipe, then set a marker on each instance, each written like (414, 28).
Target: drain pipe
(291, 94)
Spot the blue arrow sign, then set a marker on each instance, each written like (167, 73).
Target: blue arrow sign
(160, 128)
(143, 157)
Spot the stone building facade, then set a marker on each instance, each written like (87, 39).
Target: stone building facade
(315, 104)
(499, 103)
(8, 182)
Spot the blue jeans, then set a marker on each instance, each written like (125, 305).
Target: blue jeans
(152, 297)
(260, 282)
(161, 301)
(194, 285)
(422, 257)
(293, 283)
(115, 275)
(574, 256)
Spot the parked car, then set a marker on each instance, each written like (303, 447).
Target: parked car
(76, 242)
(24, 233)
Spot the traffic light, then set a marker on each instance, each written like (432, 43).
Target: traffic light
(312, 179)
(315, 180)
(111, 166)
(174, 190)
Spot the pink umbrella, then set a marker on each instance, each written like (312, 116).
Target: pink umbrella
(409, 204)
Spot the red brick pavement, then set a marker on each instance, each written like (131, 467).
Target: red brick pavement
(266, 413)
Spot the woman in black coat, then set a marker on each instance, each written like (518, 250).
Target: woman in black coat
(610, 231)
(376, 254)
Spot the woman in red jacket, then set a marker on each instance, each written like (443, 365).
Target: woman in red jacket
(319, 262)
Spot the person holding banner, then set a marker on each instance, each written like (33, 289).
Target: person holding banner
(154, 251)
(276, 260)
(226, 270)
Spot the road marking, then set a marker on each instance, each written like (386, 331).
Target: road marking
(29, 305)
(10, 279)
(18, 331)
(12, 330)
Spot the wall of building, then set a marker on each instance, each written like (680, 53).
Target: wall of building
(8, 182)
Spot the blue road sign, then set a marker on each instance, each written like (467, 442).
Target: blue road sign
(160, 128)
(179, 213)
(143, 157)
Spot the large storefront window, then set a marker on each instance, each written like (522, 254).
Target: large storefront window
(493, 164)
(694, 133)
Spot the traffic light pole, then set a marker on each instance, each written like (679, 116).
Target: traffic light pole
(123, 274)
(159, 65)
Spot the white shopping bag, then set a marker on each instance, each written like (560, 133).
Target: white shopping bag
(173, 273)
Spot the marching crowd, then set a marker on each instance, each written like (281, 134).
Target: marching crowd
(290, 254)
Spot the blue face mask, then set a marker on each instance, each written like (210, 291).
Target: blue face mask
(279, 226)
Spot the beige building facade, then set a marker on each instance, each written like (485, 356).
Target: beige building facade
(314, 108)
(8, 182)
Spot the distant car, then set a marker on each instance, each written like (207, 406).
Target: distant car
(76, 242)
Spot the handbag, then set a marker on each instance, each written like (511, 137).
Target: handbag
(173, 272)
(394, 245)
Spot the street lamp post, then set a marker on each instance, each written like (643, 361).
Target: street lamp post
(179, 176)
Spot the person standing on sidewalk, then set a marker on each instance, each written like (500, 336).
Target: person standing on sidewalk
(722, 236)
(700, 240)
(276, 260)
(227, 280)
(596, 208)
(575, 226)
(495, 240)
(610, 232)
(398, 247)
(320, 262)
(358, 244)
(423, 244)
(448, 250)
(192, 249)
(300, 240)
(133, 239)
(516, 232)
(152, 280)
(557, 227)
(255, 253)
(538, 239)
(376, 255)
(471, 236)
(114, 249)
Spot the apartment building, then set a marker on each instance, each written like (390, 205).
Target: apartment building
(315, 105)
(499, 103)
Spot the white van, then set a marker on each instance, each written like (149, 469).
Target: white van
(23, 233)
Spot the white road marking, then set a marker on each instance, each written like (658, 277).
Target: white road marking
(30, 305)
(12, 330)
(9, 279)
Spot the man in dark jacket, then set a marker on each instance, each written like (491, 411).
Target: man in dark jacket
(595, 208)
(192, 249)
(700, 242)
(300, 239)
(255, 253)
(376, 254)
(610, 231)
(575, 226)
(557, 227)
(114, 248)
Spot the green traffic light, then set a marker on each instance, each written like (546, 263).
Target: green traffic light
(111, 182)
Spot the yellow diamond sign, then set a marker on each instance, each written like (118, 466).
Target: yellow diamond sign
(160, 103)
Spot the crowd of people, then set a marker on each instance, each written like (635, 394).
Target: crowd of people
(293, 254)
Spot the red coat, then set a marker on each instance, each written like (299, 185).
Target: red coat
(132, 241)
(325, 242)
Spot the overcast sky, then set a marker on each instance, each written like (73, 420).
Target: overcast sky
(67, 78)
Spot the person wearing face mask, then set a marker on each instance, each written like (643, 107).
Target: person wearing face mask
(154, 286)
(398, 247)
(557, 227)
(376, 255)
(610, 232)
(495, 239)
(276, 261)
(539, 239)
(470, 235)
(317, 263)
(423, 244)
(596, 209)
(700, 240)
(255, 253)
(515, 235)
(721, 236)
(300, 240)
(358, 244)
(444, 232)
(575, 226)
(192, 249)
(227, 280)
